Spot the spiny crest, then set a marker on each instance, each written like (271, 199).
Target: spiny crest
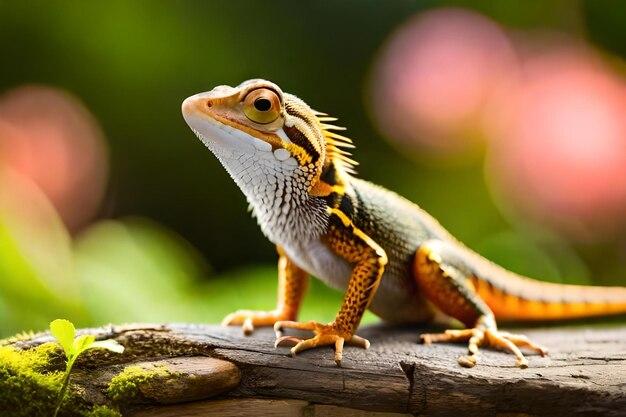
(336, 144)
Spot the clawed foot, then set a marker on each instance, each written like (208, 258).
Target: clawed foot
(325, 335)
(250, 318)
(485, 337)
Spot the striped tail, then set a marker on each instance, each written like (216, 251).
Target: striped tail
(520, 298)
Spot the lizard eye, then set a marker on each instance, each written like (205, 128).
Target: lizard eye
(262, 106)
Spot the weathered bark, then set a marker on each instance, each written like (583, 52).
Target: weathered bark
(226, 373)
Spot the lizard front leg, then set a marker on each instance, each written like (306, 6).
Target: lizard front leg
(445, 278)
(369, 261)
(292, 285)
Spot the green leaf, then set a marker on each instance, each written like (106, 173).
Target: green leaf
(83, 343)
(108, 344)
(64, 332)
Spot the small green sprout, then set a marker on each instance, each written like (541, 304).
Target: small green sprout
(64, 332)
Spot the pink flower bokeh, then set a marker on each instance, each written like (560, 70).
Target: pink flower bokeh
(558, 147)
(549, 110)
(434, 75)
(49, 137)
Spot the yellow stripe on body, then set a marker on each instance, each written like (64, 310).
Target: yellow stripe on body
(360, 234)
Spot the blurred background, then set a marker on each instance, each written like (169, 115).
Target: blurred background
(505, 120)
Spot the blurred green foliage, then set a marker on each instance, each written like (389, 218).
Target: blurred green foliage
(201, 255)
(167, 279)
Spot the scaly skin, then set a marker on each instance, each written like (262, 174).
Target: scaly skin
(385, 252)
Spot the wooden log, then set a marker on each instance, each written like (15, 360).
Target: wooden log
(226, 373)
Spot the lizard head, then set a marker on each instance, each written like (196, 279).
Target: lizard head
(256, 130)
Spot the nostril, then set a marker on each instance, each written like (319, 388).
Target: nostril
(209, 103)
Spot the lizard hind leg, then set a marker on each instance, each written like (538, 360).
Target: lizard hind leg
(444, 277)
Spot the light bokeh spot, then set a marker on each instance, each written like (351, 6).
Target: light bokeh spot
(433, 76)
(49, 136)
(558, 144)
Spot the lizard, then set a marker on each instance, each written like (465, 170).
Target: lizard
(387, 254)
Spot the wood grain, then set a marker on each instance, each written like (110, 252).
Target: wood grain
(223, 371)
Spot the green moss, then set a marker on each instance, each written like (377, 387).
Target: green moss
(28, 387)
(30, 381)
(17, 338)
(127, 383)
(102, 411)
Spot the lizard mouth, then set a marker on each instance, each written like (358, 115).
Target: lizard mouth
(216, 134)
